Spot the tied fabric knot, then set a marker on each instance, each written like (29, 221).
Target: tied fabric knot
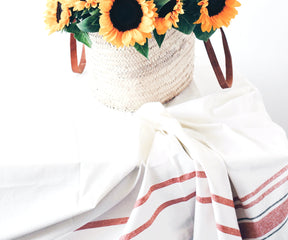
(214, 200)
(153, 117)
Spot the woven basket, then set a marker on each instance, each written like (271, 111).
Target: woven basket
(123, 79)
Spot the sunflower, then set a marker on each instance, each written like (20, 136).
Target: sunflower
(168, 16)
(79, 5)
(216, 13)
(57, 15)
(124, 22)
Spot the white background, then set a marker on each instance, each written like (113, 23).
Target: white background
(258, 42)
(35, 69)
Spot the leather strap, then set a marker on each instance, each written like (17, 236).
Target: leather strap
(73, 54)
(224, 82)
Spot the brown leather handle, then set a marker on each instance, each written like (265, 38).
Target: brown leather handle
(224, 82)
(73, 54)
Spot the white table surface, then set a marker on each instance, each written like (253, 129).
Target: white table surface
(66, 155)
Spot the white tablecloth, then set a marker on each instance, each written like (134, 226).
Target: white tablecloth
(209, 165)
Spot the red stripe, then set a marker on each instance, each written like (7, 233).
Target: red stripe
(260, 198)
(204, 200)
(222, 200)
(104, 223)
(266, 224)
(245, 198)
(169, 182)
(155, 214)
(139, 202)
(228, 230)
(216, 198)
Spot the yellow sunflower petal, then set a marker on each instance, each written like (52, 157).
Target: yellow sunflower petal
(118, 40)
(79, 6)
(120, 35)
(57, 15)
(170, 19)
(106, 6)
(110, 37)
(137, 36)
(218, 20)
(126, 38)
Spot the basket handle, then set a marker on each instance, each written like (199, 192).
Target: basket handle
(73, 55)
(224, 82)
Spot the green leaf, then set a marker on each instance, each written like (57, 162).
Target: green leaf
(84, 38)
(185, 26)
(159, 38)
(78, 34)
(143, 49)
(191, 14)
(73, 16)
(165, 9)
(78, 15)
(202, 35)
(93, 11)
(85, 12)
(90, 24)
(72, 28)
(160, 3)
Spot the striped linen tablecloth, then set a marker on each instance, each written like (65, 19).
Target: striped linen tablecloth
(212, 167)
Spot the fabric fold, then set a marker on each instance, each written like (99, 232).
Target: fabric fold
(215, 167)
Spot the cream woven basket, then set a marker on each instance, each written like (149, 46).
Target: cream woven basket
(123, 79)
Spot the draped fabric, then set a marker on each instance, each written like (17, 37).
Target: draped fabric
(212, 167)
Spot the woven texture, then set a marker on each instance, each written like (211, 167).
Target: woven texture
(123, 79)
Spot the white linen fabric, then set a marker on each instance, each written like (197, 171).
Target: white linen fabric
(211, 167)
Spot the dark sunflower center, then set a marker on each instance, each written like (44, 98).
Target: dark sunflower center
(168, 7)
(215, 7)
(126, 14)
(59, 11)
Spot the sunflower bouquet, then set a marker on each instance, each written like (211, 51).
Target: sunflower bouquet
(132, 22)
